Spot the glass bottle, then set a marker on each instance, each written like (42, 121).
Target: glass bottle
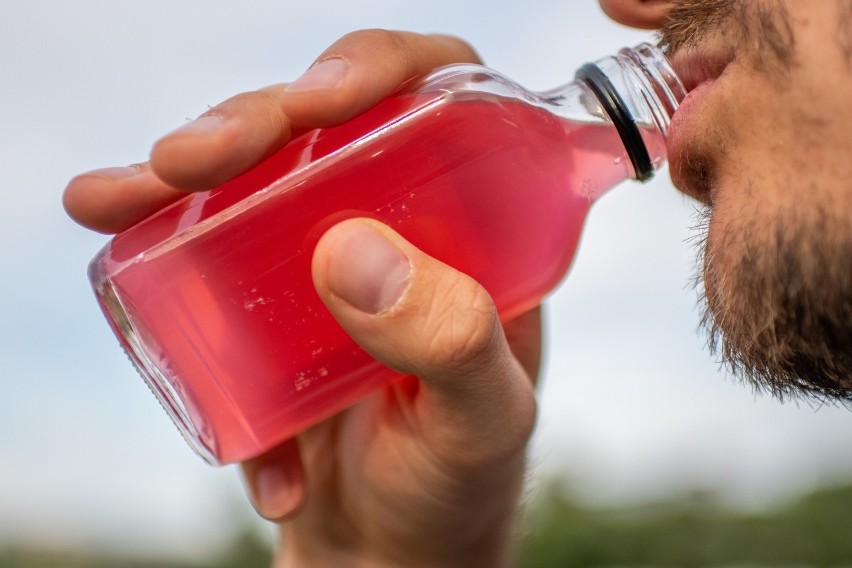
(212, 296)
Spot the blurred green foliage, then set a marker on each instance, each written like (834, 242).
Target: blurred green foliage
(692, 531)
(247, 550)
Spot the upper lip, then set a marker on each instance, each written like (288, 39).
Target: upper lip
(697, 65)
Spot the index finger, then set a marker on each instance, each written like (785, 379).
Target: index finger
(235, 135)
(351, 75)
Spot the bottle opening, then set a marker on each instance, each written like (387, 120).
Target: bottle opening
(621, 118)
(640, 92)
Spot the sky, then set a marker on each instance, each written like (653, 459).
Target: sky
(633, 406)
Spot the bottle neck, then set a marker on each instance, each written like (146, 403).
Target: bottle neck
(635, 91)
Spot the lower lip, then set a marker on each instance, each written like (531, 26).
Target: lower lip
(690, 105)
(677, 137)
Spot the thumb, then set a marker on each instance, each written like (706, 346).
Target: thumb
(421, 317)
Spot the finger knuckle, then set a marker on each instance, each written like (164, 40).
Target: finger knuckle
(378, 39)
(464, 51)
(465, 326)
(257, 99)
(264, 104)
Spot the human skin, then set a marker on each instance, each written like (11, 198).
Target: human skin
(428, 472)
(763, 141)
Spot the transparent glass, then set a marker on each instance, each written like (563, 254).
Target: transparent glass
(212, 297)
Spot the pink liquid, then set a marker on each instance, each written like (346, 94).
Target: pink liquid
(218, 290)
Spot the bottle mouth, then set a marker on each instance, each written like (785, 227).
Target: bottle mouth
(621, 117)
(653, 68)
(640, 92)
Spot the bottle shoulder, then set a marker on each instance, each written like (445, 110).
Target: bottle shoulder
(466, 82)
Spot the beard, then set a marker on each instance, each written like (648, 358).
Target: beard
(778, 304)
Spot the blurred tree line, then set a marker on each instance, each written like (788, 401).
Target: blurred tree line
(692, 531)
(247, 550)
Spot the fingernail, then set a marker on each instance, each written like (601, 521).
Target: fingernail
(202, 125)
(274, 496)
(368, 271)
(324, 75)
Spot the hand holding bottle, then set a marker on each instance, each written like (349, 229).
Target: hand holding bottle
(426, 472)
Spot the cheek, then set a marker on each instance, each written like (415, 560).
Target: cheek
(780, 141)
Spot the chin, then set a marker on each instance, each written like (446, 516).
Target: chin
(777, 286)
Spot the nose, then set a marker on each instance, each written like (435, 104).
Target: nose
(645, 14)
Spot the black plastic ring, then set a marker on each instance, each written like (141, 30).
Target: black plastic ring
(615, 107)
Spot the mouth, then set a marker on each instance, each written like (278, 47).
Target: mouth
(696, 66)
(699, 69)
